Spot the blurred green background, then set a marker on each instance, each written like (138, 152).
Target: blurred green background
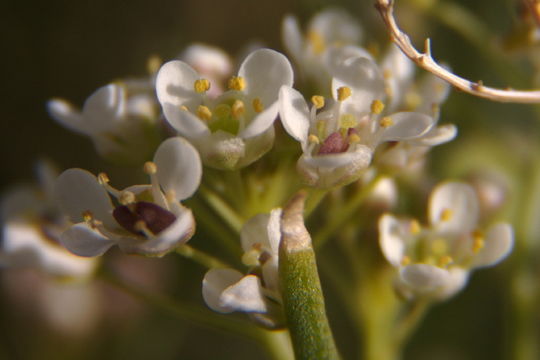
(70, 48)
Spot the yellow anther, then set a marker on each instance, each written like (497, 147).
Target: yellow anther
(354, 138)
(439, 247)
(478, 241)
(237, 83)
(387, 74)
(184, 108)
(238, 109)
(446, 215)
(204, 113)
(445, 260)
(222, 111)
(258, 106)
(317, 42)
(318, 101)
(87, 216)
(415, 227)
(313, 139)
(412, 100)
(201, 85)
(153, 64)
(126, 198)
(343, 93)
(103, 178)
(251, 257)
(386, 122)
(405, 261)
(150, 167)
(170, 195)
(377, 106)
(347, 121)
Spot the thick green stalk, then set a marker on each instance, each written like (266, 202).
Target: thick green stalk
(303, 299)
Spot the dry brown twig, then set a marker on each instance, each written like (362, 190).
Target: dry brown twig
(425, 61)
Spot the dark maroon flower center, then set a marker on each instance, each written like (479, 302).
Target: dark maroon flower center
(154, 217)
(336, 143)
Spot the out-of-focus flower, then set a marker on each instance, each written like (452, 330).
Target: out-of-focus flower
(144, 219)
(328, 30)
(31, 228)
(228, 290)
(338, 139)
(120, 118)
(234, 129)
(435, 260)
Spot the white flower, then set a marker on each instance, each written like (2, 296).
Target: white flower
(329, 29)
(228, 290)
(338, 139)
(149, 219)
(31, 227)
(120, 118)
(436, 260)
(234, 129)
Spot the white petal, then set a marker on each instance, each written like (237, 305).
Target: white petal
(184, 122)
(208, 60)
(261, 122)
(336, 26)
(20, 201)
(246, 295)
(214, 283)
(294, 113)
(274, 230)
(47, 174)
(26, 246)
(179, 167)
(392, 239)
(407, 125)
(398, 70)
(291, 37)
(255, 231)
(104, 108)
(78, 192)
(65, 114)
(85, 241)
(175, 84)
(499, 242)
(365, 80)
(336, 56)
(436, 136)
(456, 282)
(460, 201)
(265, 71)
(424, 278)
(433, 91)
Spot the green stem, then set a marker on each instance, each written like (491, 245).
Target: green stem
(222, 208)
(303, 299)
(201, 257)
(315, 197)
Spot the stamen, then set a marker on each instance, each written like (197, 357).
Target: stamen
(251, 257)
(140, 225)
(238, 109)
(170, 195)
(343, 93)
(354, 138)
(318, 101)
(439, 247)
(103, 178)
(405, 260)
(153, 64)
(150, 167)
(126, 198)
(377, 106)
(347, 121)
(446, 215)
(415, 227)
(184, 108)
(387, 74)
(87, 216)
(313, 139)
(321, 128)
(386, 122)
(237, 83)
(201, 85)
(412, 100)
(204, 113)
(478, 241)
(258, 106)
(445, 260)
(317, 42)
